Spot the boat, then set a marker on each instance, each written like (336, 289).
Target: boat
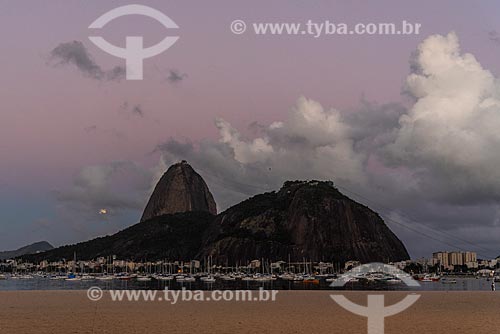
(286, 277)
(266, 278)
(435, 278)
(448, 281)
(57, 278)
(2, 277)
(187, 279)
(87, 278)
(308, 278)
(143, 278)
(25, 276)
(73, 278)
(123, 276)
(426, 278)
(208, 279)
(104, 278)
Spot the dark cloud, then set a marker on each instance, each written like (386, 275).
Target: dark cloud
(494, 36)
(137, 109)
(90, 129)
(104, 187)
(116, 74)
(74, 53)
(174, 76)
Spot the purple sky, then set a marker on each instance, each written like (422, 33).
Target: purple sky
(54, 121)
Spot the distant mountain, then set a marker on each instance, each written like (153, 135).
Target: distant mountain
(309, 220)
(180, 189)
(37, 247)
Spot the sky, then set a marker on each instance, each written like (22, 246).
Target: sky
(404, 124)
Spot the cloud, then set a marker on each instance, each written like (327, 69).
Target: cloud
(134, 109)
(115, 187)
(449, 138)
(137, 109)
(74, 53)
(494, 36)
(90, 128)
(312, 142)
(174, 76)
(116, 73)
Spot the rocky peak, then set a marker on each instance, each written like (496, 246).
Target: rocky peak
(304, 219)
(180, 189)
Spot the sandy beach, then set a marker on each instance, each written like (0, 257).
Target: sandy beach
(54, 312)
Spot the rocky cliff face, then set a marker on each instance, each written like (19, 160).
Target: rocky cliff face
(303, 220)
(311, 220)
(180, 189)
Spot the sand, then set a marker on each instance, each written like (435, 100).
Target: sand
(65, 312)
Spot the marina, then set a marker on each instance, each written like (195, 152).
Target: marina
(236, 281)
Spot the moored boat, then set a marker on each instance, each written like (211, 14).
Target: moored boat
(448, 281)
(208, 279)
(73, 279)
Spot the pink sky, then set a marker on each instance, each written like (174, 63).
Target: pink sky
(45, 111)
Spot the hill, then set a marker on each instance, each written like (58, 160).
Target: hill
(30, 249)
(303, 220)
(175, 236)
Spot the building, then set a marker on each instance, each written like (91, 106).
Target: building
(442, 259)
(469, 257)
(448, 260)
(456, 259)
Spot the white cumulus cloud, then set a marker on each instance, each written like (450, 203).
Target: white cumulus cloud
(450, 135)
